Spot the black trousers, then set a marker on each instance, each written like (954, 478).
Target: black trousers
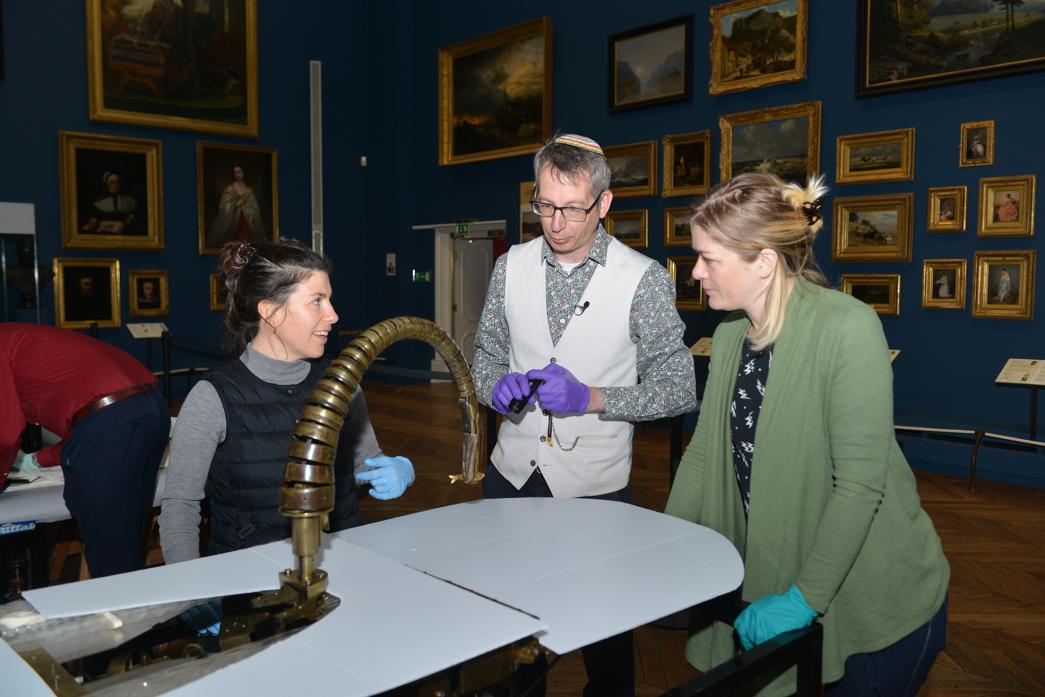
(610, 663)
(110, 461)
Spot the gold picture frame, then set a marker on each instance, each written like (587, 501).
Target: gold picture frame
(633, 169)
(943, 283)
(677, 232)
(976, 146)
(947, 207)
(147, 293)
(111, 191)
(651, 64)
(880, 291)
(134, 79)
(793, 132)
(739, 60)
(1007, 206)
(630, 227)
(882, 156)
(689, 292)
(1003, 284)
(473, 114)
(686, 164)
(237, 194)
(86, 292)
(529, 222)
(872, 228)
(218, 294)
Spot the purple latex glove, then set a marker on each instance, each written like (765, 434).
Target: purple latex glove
(511, 386)
(561, 393)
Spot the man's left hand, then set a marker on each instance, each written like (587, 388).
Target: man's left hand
(561, 392)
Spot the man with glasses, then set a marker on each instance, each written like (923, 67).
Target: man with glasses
(578, 339)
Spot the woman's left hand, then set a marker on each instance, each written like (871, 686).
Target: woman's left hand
(774, 614)
(388, 476)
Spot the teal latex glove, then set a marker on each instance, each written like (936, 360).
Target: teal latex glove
(774, 614)
(388, 476)
(26, 462)
(205, 618)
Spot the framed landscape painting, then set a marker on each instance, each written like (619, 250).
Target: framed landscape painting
(1003, 285)
(687, 164)
(872, 228)
(495, 94)
(880, 291)
(904, 45)
(755, 43)
(111, 191)
(630, 227)
(677, 232)
(185, 65)
(783, 140)
(633, 169)
(529, 222)
(883, 156)
(689, 292)
(651, 64)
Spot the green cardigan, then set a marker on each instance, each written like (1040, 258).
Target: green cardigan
(834, 506)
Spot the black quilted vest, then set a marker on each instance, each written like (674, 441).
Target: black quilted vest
(247, 468)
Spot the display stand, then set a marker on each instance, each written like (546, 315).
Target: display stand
(148, 331)
(1025, 371)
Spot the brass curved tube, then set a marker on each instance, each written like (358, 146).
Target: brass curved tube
(307, 494)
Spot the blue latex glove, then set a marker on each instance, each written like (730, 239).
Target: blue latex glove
(774, 614)
(388, 476)
(561, 393)
(205, 618)
(511, 386)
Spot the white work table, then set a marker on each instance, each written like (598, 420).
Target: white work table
(424, 592)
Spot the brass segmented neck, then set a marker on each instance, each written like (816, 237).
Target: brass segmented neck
(307, 493)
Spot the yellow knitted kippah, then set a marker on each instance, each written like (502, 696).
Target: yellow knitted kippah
(579, 142)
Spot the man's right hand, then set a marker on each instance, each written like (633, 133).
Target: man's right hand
(511, 386)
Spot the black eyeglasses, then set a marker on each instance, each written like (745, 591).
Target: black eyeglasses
(574, 214)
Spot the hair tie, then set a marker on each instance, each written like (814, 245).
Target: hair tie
(247, 250)
(813, 210)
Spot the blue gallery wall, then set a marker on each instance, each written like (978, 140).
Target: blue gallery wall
(380, 100)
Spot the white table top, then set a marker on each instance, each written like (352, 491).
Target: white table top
(46, 504)
(578, 570)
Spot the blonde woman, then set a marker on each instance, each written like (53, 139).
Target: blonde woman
(794, 458)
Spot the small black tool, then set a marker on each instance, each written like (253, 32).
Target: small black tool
(517, 405)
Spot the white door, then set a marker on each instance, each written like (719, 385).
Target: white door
(473, 264)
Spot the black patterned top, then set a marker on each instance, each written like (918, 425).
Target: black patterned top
(747, 402)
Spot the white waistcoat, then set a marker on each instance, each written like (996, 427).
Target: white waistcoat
(597, 348)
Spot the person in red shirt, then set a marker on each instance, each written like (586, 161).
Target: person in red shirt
(113, 426)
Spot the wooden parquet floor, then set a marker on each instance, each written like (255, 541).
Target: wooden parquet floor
(994, 538)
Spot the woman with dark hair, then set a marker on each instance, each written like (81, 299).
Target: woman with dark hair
(239, 213)
(231, 438)
(795, 459)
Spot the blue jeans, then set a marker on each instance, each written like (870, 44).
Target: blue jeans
(897, 670)
(610, 663)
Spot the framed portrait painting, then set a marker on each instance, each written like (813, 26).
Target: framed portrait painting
(495, 94)
(880, 291)
(755, 43)
(903, 46)
(884, 156)
(529, 222)
(783, 140)
(238, 194)
(947, 206)
(630, 227)
(943, 284)
(633, 169)
(677, 232)
(651, 64)
(687, 164)
(147, 292)
(872, 228)
(1003, 284)
(689, 292)
(219, 294)
(186, 65)
(1007, 206)
(86, 292)
(111, 191)
(976, 147)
